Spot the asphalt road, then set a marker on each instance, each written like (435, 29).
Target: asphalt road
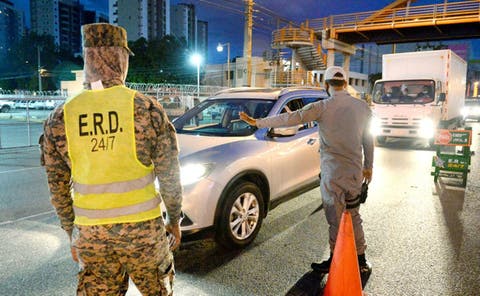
(422, 237)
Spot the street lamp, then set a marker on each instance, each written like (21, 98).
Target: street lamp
(39, 70)
(196, 59)
(220, 49)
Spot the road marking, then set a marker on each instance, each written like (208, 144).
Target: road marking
(19, 170)
(27, 217)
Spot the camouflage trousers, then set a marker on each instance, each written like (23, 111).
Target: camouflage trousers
(111, 254)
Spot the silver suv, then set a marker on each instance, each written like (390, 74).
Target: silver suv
(233, 173)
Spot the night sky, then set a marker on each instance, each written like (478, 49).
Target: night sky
(225, 18)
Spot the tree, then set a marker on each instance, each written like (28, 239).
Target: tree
(160, 61)
(374, 77)
(20, 67)
(155, 61)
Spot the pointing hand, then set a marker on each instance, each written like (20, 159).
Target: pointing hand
(251, 121)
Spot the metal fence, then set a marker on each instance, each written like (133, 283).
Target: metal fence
(23, 112)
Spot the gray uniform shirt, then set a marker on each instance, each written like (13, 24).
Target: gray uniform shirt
(346, 145)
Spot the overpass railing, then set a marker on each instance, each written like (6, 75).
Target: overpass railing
(465, 10)
(287, 35)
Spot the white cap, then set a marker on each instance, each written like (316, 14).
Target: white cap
(331, 71)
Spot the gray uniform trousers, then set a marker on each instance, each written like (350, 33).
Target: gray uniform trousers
(333, 197)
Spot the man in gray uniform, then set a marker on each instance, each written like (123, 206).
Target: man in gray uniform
(346, 154)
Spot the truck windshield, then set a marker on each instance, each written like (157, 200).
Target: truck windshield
(404, 92)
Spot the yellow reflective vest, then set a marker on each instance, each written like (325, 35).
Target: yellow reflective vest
(109, 184)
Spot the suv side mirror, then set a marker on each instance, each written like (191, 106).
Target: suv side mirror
(284, 131)
(441, 97)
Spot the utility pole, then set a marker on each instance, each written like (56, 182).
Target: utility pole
(39, 70)
(247, 39)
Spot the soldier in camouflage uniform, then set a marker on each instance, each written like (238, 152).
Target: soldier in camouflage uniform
(102, 150)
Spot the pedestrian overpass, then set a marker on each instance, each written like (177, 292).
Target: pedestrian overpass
(399, 22)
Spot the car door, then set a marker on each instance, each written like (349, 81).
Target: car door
(296, 160)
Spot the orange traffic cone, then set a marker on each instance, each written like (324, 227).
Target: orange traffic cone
(344, 275)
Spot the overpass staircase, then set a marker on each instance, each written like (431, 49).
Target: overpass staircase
(398, 22)
(307, 52)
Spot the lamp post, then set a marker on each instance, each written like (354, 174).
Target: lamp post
(196, 59)
(220, 49)
(39, 70)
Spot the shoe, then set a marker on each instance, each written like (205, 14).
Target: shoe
(322, 267)
(365, 269)
(364, 266)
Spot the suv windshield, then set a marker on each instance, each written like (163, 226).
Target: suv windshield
(404, 92)
(221, 117)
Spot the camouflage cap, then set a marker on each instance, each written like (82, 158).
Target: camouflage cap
(103, 34)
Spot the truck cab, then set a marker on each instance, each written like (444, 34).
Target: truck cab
(406, 108)
(419, 92)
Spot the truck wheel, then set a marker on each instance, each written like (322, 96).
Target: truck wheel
(241, 216)
(381, 140)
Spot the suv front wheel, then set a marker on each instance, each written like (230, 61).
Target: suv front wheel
(241, 216)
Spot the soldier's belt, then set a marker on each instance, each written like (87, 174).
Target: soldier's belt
(115, 187)
(116, 212)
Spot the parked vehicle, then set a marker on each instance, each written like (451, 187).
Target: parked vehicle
(418, 93)
(233, 173)
(43, 104)
(6, 106)
(23, 104)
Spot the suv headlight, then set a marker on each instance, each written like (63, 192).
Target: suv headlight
(192, 173)
(427, 128)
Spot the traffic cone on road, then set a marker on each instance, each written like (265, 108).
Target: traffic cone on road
(344, 275)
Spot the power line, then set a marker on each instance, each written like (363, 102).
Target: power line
(272, 13)
(222, 7)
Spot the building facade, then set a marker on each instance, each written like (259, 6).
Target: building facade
(149, 19)
(184, 24)
(202, 38)
(12, 25)
(61, 19)
(91, 16)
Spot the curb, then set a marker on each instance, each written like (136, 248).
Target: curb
(13, 116)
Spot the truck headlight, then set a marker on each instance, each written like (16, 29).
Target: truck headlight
(192, 173)
(427, 128)
(375, 126)
(474, 111)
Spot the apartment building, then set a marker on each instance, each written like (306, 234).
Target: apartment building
(149, 19)
(184, 24)
(12, 25)
(61, 19)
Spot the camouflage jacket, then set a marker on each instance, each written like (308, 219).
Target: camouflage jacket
(155, 137)
(155, 142)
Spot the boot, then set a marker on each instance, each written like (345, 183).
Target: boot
(324, 266)
(364, 266)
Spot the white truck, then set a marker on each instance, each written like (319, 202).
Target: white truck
(418, 93)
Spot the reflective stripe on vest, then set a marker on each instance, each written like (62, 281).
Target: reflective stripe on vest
(110, 184)
(116, 212)
(115, 187)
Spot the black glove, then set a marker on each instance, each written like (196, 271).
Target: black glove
(364, 193)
